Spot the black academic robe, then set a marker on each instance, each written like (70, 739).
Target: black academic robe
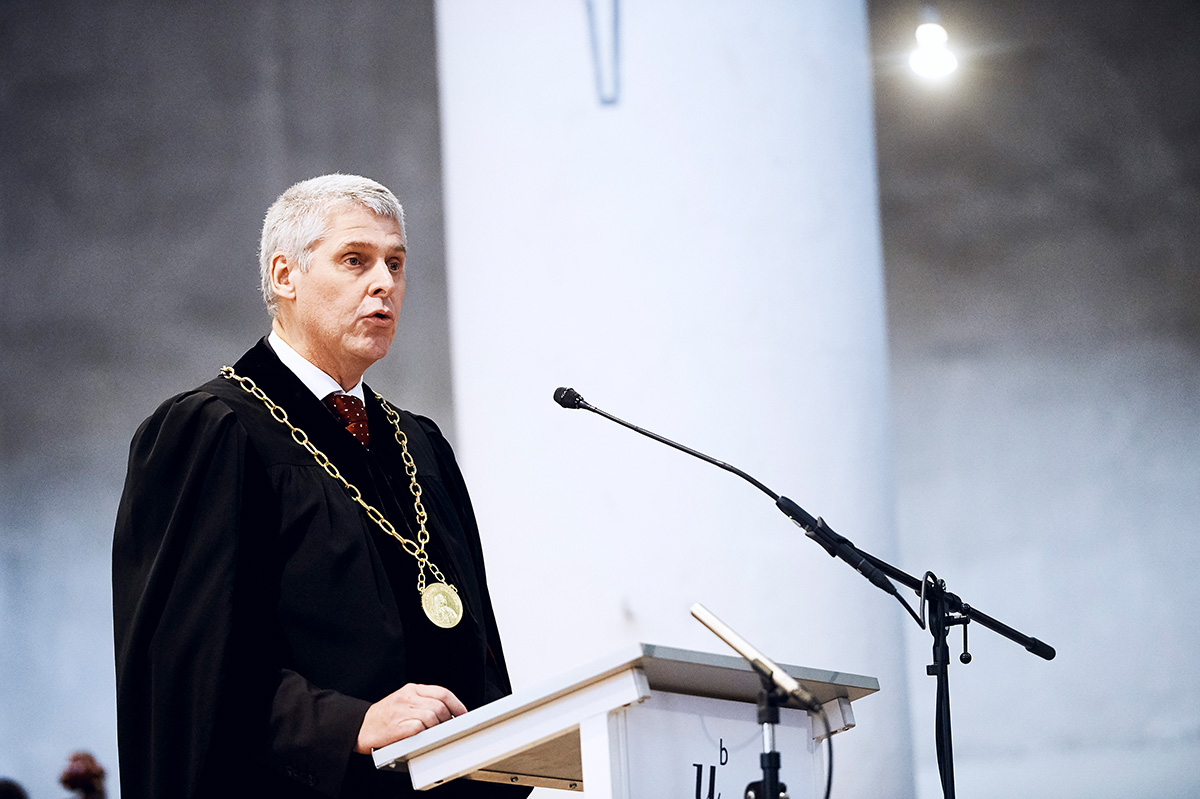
(258, 611)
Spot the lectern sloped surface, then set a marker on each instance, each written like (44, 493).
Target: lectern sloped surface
(645, 721)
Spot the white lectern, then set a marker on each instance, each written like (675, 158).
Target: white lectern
(647, 721)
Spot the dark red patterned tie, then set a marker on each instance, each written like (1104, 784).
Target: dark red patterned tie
(352, 412)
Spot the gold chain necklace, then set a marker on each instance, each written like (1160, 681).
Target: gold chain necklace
(439, 600)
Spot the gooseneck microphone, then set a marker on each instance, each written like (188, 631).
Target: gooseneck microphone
(814, 527)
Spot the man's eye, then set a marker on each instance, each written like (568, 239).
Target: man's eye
(352, 260)
(395, 266)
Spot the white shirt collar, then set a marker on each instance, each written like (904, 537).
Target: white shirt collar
(317, 381)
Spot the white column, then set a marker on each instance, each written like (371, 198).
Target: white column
(703, 259)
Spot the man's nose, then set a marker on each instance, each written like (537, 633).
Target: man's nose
(383, 280)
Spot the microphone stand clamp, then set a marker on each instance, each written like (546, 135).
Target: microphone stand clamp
(769, 787)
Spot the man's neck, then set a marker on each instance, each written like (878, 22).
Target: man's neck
(316, 379)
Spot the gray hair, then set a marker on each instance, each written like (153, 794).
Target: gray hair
(299, 220)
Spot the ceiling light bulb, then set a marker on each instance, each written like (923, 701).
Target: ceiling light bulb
(932, 59)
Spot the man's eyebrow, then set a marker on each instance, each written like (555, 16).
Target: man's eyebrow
(366, 245)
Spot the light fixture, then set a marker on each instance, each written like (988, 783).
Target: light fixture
(932, 58)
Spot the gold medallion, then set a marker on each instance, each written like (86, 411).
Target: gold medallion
(442, 605)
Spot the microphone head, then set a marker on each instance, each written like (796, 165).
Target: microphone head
(568, 397)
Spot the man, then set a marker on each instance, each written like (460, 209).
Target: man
(297, 573)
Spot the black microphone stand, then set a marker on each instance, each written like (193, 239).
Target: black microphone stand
(946, 610)
(769, 787)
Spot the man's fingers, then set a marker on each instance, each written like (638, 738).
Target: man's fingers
(443, 695)
(407, 712)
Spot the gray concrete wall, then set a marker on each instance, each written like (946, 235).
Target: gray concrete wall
(140, 146)
(1041, 215)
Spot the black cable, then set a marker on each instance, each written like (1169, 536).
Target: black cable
(829, 749)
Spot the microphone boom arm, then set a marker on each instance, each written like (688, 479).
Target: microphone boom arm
(838, 546)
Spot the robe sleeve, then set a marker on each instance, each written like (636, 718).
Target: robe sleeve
(203, 702)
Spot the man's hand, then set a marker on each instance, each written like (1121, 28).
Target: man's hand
(406, 712)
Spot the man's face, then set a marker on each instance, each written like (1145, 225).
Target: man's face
(341, 312)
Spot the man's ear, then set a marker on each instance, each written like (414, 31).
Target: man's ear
(282, 269)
